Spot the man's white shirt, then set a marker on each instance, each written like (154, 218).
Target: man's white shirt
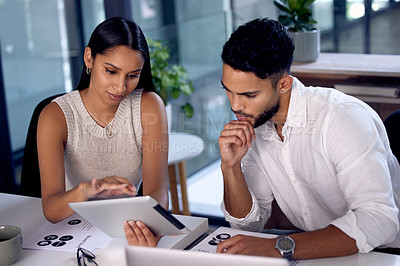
(334, 166)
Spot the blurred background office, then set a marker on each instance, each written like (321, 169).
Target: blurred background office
(42, 43)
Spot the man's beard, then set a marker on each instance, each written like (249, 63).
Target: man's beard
(266, 115)
(263, 117)
(268, 112)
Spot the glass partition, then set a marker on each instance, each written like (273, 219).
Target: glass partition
(92, 14)
(195, 32)
(385, 32)
(35, 59)
(41, 56)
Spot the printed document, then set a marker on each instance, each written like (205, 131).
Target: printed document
(67, 235)
(209, 244)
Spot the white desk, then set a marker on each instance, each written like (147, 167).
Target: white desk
(182, 147)
(26, 213)
(370, 259)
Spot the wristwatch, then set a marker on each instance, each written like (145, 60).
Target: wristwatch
(285, 245)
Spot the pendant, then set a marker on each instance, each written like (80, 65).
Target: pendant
(109, 132)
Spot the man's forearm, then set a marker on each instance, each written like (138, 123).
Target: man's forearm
(327, 242)
(237, 197)
(324, 243)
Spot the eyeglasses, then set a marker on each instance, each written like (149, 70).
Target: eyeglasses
(85, 257)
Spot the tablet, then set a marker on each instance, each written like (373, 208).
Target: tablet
(109, 214)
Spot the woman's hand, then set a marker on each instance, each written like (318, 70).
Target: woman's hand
(108, 187)
(138, 234)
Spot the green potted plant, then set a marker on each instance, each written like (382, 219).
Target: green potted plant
(296, 15)
(170, 81)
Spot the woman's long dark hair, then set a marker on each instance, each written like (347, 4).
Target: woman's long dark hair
(117, 31)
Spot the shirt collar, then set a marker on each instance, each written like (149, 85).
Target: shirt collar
(296, 117)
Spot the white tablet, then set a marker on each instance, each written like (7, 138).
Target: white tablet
(109, 214)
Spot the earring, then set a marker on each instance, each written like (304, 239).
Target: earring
(88, 70)
(282, 91)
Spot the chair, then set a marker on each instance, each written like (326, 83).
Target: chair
(30, 174)
(392, 125)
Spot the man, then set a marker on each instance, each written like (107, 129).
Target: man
(318, 158)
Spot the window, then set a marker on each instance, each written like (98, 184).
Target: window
(42, 55)
(195, 32)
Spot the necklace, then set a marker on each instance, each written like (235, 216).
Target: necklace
(108, 127)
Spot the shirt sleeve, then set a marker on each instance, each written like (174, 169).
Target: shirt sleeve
(261, 196)
(353, 140)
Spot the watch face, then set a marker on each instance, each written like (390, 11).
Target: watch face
(285, 244)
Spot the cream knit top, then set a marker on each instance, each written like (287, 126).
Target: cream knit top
(91, 153)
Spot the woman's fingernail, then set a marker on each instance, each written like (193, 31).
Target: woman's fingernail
(140, 224)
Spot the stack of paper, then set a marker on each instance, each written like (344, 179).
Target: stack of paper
(198, 227)
(354, 87)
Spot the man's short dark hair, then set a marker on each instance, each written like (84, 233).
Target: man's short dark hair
(262, 46)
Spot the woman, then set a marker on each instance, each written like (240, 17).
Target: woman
(99, 140)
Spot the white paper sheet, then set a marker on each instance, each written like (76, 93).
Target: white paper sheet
(67, 235)
(209, 244)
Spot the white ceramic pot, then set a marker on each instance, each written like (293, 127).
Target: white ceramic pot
(307, 45)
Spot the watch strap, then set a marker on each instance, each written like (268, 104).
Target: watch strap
(287, 255)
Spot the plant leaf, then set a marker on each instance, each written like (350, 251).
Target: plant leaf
(282, 6)
(186, 89)
(285, 20)
(307, 3)
(175, 93)
(170, 82)
(296, 16)
(292, 4)
(188, 110)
